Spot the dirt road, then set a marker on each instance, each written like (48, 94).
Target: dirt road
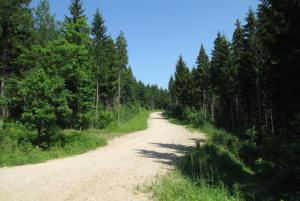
(110, 173)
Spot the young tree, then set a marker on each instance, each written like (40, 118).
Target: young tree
(122, 61)
(45, 99)
(99, 32)
(44, 23)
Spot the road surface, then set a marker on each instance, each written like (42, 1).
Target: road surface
(110, 173)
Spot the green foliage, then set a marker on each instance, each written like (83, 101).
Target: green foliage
(17, 145)
(44, 98)
(44, 23)
(76, 11)
(201, 77)
(121, 46)
(105, 119)
(182, 82)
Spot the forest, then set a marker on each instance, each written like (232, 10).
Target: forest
(59, 77)
(250, 90)
(65, 75)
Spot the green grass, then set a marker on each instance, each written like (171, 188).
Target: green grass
(136, 123)
(212, 171)
(76, 143)
(16, 149)
(176, 187)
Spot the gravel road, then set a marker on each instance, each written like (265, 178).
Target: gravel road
(110, 173)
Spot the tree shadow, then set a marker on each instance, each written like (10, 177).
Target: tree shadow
(165, 157)
(197, 140)
(157, 118)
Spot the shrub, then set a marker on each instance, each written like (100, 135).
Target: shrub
(105, 118)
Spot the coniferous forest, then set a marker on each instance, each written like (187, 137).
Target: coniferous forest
(250, 90)
(73, 76)
(65, 75)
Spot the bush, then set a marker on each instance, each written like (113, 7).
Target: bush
(105, 118)
(196, 118)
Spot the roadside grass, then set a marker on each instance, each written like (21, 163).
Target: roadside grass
(136, 123)
(175, 186)
(17, 147)
(212, 171)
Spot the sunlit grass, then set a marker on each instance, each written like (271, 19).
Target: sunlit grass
(70, 142)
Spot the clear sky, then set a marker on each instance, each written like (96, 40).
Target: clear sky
(158, 31)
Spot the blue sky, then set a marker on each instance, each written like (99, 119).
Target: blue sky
(158, 31)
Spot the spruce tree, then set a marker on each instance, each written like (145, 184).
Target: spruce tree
(237, 51)
(223, 79)
(172, 92)
(16, 27)
(76, 11)
(122, 61)
(99, 32)
(44, 23)
(201, 81)
(183, 83)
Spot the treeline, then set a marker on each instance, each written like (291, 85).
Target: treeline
(250, 87)
(59, 75)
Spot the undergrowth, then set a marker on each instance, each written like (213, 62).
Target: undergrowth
(19, 145)
(210, 171)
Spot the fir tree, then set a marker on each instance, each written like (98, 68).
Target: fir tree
(44, 23)
(201, 80)
(122, 61)
(76, 11)
(99, 32)
(16, 25)
(183, 83)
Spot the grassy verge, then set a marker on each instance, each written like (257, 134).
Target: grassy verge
(17, 146)
(176, 186)
(212, 171)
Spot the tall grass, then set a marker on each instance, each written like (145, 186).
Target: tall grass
(212, 171)
(18, 147)
(176, 187)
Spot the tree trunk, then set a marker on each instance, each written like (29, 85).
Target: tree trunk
(272, 121)
(236, 108)
(97, 103)
(212, 107)
(4, 67)
(204, 103)
(119, 94)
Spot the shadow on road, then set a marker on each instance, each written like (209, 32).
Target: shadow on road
(167, 156)
(157, 118)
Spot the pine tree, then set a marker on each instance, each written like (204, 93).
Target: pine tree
(78, 74)
(45, 99)
(237, 50)
(99, 32)
(201, 80)
(76, 11)
(15, 35)
(122, 61)
(128, 90)
(44, 23)
(111, 81)
(182, 83)
(223, 79)
(172, 92)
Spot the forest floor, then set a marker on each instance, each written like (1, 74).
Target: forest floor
(113, 173)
